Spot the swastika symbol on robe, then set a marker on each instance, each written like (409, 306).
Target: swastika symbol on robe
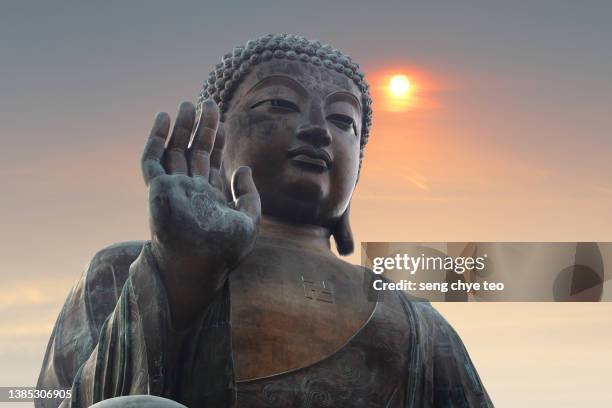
(318, 290)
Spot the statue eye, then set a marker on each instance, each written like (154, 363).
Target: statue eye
(278, 105)
(343, 122)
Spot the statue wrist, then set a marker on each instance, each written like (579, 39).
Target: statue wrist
(190, 285)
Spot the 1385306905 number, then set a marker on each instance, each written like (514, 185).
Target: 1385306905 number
(13, 394)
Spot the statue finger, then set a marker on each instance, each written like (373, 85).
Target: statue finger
(244, 191)
(216, 157)
(174, 158)
(203, 140)
(154, 148)
(217, 153)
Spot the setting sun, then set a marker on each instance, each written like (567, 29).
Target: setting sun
(399, 88)
(399, 85)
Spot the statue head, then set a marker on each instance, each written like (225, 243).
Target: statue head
(299, 114)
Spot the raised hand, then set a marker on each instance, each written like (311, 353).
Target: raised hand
(197, 237)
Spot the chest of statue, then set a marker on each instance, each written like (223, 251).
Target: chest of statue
(304, 332)
(293, 310)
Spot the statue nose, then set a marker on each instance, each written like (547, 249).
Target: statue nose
(317, 136)
(315, 131)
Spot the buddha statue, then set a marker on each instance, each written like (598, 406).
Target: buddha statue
(237, 299)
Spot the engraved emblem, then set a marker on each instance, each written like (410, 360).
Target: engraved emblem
(318, 290)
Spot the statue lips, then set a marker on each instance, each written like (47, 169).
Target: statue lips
(311, 158)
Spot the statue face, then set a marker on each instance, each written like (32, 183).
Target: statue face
(298, 127)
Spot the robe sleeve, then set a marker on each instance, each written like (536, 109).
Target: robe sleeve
(444, 375)
(77, 328)
(138, 351)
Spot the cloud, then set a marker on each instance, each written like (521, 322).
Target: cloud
(22, 296)
(33, 293)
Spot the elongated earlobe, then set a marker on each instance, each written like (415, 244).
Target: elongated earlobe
(343, 235)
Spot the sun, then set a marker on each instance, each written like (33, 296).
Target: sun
(399, 86)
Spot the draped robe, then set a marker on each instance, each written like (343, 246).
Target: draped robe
(114, 337)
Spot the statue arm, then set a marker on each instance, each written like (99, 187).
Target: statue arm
(136, 347)
(88, 304)
(448, 377)
(129, 356)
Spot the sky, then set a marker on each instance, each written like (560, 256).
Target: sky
(508, 140)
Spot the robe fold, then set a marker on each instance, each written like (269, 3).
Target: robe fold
(114, 337)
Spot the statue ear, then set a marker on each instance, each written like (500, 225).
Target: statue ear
(343, 235)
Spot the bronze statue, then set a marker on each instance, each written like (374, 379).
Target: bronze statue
(243, 199)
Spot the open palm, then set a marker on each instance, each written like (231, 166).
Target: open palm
(196, 234)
